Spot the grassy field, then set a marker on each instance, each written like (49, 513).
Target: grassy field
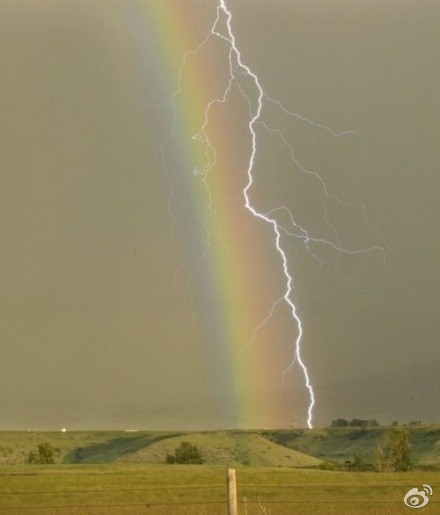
(193, 489)
(112, 472)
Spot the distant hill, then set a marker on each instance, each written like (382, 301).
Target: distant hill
(279, 448)
(217, 448)
(228, 448)
(340, 444)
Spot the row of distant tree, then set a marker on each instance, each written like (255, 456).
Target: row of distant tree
(354, 422)
(359, 422)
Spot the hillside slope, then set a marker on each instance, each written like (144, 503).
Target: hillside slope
(340, 444)
(217, 448)
(227, 448)
(278, 448)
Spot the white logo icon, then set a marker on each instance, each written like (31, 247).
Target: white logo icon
(418, 498)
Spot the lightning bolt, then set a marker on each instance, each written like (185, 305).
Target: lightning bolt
(238, 70)
(266, 218)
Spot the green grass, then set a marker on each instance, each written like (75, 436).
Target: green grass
(201, 489)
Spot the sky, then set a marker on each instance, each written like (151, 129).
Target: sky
(126, 302)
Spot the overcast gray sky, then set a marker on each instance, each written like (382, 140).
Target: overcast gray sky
(96, 331)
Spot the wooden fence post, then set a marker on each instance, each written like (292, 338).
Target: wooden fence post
(232, 492)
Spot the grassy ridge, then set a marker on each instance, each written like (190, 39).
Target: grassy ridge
(284, 448)
(340, 444)
(232, 447)
(228, 448)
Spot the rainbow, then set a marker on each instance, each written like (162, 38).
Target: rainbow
(235, 286)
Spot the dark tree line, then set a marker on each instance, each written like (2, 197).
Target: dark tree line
(354, 422)
(360, 422)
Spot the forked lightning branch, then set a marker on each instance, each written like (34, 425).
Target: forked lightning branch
(256, 97)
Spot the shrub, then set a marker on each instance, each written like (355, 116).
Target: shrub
(186, 453)
(327, 465)
(44, 455)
